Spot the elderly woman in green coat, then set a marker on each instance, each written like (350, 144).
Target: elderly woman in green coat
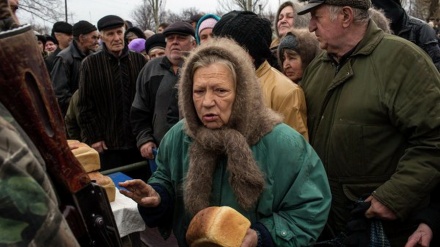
(231, 150)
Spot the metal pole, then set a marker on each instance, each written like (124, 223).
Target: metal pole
(65, 9)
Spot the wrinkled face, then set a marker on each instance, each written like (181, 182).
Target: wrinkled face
(156, 52)
(206, 35)
(114, 40)
(63, 39)
(50, 46)
(177, 46)
(292, 65)
(286, 20)
(90, 41)
(214, 94)
(328, 32)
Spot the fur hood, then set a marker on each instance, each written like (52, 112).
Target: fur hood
(250, 120)
(302, 42)
(249, 115)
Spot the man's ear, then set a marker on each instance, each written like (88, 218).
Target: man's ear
(347, 16)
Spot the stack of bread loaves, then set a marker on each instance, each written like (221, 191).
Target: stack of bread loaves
(89, 159)
(217, 226)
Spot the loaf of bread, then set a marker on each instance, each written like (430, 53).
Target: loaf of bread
(105, 182)
(217, 226)
(87, 156)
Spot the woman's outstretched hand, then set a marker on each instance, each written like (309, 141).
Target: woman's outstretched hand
(141, 192)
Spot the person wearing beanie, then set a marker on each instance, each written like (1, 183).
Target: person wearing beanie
(155, 109)
(62, 33)
(41, 41)
(204, 28)
(373, 103)
(133, 33)
(295, 51)
(65, 72)
(107, 86)
(280, 93)
(155, 45)
(138, 45)
(50, 45)
(411, 28)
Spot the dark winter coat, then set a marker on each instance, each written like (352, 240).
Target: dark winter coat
(423, 35)
(106, 89)
(65, 74)
(154, 110)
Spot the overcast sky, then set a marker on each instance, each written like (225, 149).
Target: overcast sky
(93, 10)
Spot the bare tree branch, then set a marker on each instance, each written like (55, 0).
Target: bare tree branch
(250, 5)
(47, 10)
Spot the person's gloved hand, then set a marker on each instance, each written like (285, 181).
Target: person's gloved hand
(358, 227)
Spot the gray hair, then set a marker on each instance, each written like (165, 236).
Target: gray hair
(360, 15)
(205, 61)
(300, 21)
(378, 16)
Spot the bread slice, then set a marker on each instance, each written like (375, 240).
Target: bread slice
(217, 226)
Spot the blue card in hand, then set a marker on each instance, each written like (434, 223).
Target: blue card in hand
(119, 177)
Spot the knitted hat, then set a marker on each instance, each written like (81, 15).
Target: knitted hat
(61, 27)
(301, 41)
(83, 27)
(110, 21)
(180, 27)
(359, 4)
(137, 45)
(208, 23)
(156, 40)
(249, 30)
(210, 19)
(288, 42)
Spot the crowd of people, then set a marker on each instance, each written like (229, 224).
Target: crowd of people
(322, 128)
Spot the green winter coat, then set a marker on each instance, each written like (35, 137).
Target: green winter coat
(375, 124)
(294, 204)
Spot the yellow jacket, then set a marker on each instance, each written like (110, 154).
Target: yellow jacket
(284, 97)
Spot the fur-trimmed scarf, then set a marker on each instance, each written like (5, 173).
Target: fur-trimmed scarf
(245, 178)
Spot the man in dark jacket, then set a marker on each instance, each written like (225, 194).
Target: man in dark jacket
(65, 72)
(107, 86)
(411, 28)
(62, 32)
(154, 110)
